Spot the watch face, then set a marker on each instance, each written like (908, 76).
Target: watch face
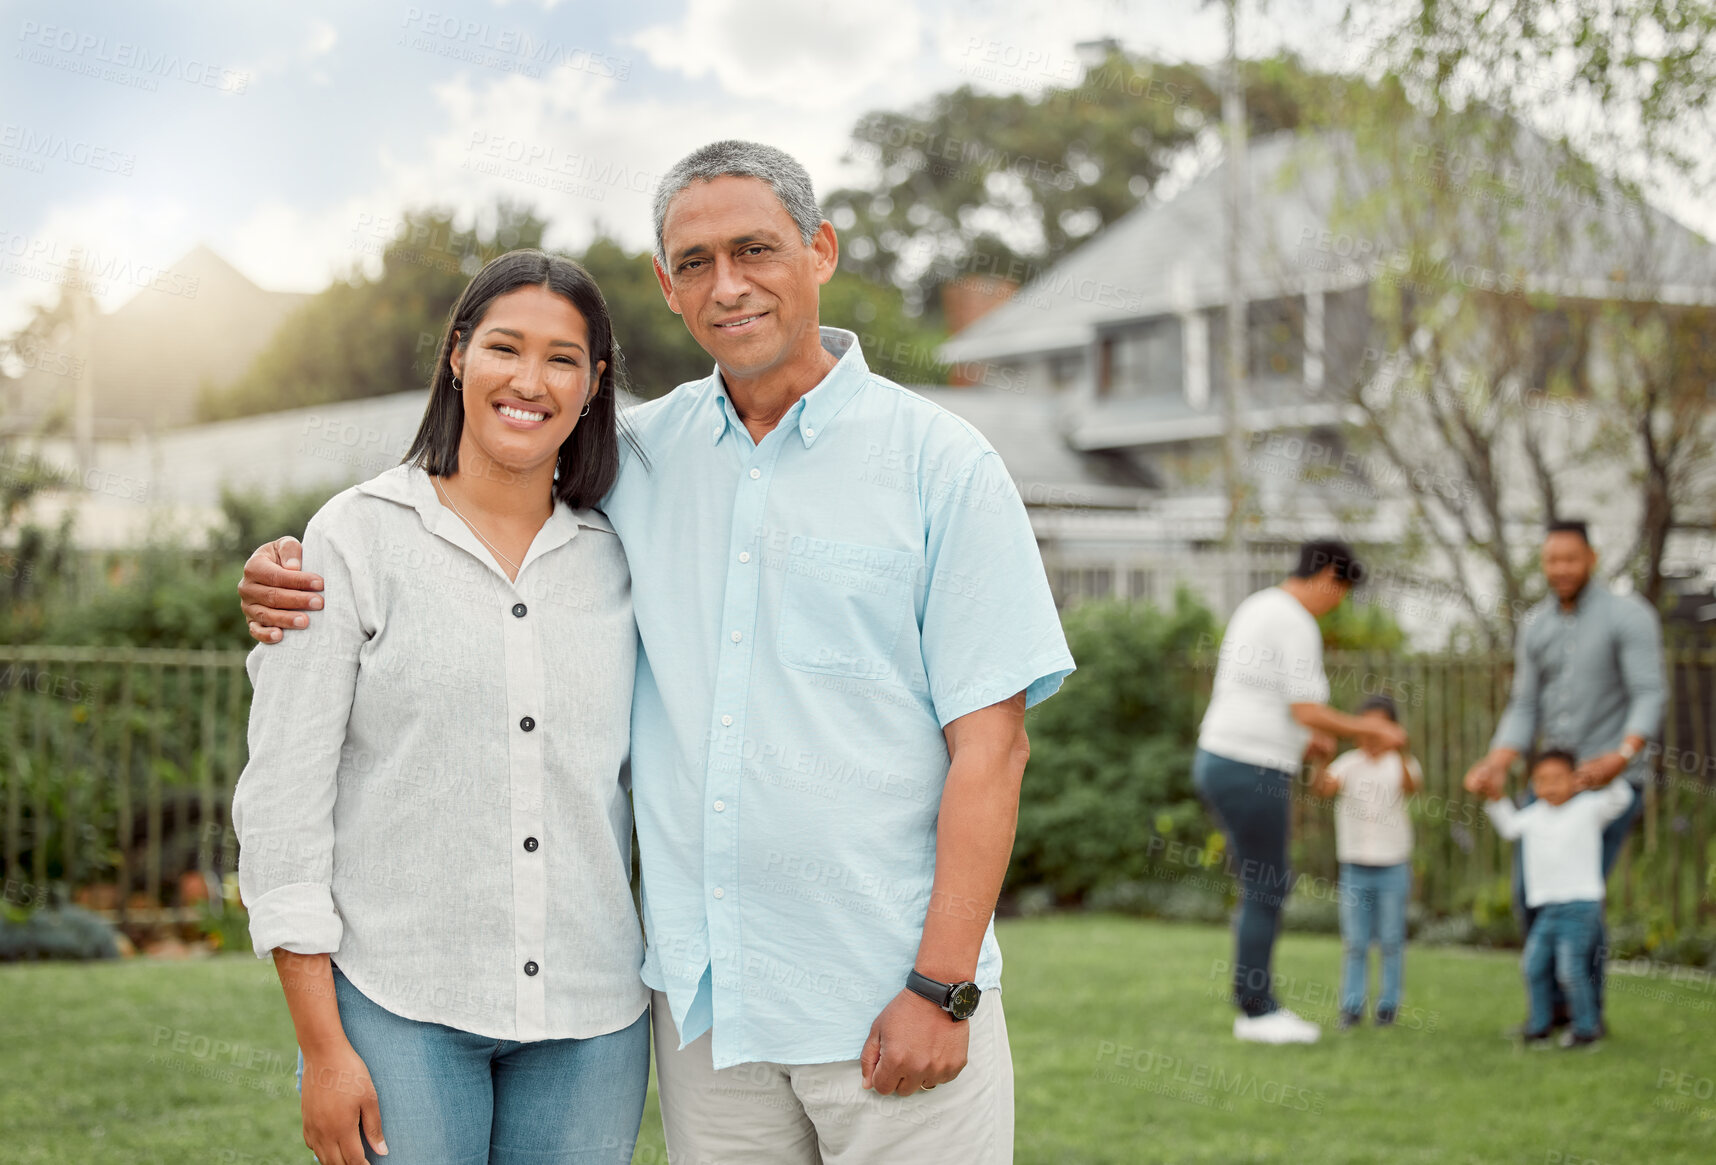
(962, 1000)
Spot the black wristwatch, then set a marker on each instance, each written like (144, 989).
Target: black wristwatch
(959, 1000)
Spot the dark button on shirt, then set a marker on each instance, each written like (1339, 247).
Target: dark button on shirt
(518, 610)
(530, 845)
(531, 968)
(527, 724)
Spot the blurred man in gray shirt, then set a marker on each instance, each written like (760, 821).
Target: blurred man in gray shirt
(1588, 678)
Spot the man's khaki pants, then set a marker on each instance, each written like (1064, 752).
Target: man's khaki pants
(820, 1114)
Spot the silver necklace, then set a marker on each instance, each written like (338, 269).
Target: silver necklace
(473, 527)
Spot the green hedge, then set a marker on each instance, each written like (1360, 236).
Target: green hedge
(1111, 754)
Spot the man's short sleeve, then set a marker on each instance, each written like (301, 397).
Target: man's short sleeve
(990, 629)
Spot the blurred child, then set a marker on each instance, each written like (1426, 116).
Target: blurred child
(1562, 836)
(1373, 841)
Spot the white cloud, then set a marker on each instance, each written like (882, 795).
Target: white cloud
(789, 51)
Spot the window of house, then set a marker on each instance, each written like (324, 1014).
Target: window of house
(1346, 337)
(1276, 334)
(1275, 342)
(1074, 584)
(1559, 343)
(1065, 370)
(1143, 360)
(1140, 585)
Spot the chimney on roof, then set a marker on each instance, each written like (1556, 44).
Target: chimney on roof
(964, 301)
(969, 298)
(1092, 53)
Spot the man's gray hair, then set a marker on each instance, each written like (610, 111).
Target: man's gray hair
(737, 159)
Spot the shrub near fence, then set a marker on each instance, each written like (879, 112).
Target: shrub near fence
(117, 769)
(1109, 811)
(116, 773)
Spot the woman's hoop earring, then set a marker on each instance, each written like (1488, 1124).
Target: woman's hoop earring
(586, 411)
(457, 387)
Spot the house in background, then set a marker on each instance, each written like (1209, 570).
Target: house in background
(199, 323)
(1118, 351)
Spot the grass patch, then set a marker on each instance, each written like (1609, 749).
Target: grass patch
(1121, 1046)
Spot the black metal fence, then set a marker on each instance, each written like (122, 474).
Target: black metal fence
(117, 769)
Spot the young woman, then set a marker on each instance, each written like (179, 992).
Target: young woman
(435, 837)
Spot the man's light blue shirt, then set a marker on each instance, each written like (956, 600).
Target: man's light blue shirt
(813, 609)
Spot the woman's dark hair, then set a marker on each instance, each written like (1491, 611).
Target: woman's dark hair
(590, 458)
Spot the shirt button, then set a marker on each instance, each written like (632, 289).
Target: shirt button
(527, 724)
(810, 432)
(518, 610)
(756, 473)
(530, 844)
(737, 637)
(726, 721)
(744, 556)
(720, 807)
(720, 893)
(531, 968)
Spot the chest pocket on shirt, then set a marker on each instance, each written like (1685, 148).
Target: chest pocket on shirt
(842, 607)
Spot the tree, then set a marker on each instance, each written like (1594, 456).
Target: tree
(364, 336)
(1629, 83)
(659, 353)
(31, 556)
(1111, 754)
(979, 184)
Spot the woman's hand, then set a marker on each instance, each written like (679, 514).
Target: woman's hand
(339, 1098)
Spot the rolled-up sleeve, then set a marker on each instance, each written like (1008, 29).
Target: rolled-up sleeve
(1639, 651)
(989, 629)
(283, 806)
(1518, 727)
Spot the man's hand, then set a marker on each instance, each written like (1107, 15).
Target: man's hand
(913, 1044)
(273, 588)
(1599, 770)
(1486, 779)
(338, 1097)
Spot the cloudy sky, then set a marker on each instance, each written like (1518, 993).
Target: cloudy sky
(289, 136)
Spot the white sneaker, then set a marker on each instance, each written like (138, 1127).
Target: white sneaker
(1278, 1027)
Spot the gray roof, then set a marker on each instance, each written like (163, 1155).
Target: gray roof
(1170, 257)
(1026, 429)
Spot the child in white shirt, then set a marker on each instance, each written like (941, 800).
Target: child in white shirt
(1562, 832)
(1373, 840)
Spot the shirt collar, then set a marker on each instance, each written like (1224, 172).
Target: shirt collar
(813, 412)
(409, 485)
(1582, 604)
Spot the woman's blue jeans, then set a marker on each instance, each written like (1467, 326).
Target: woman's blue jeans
(451, 1097)
(1373, 910)
(1250, 803)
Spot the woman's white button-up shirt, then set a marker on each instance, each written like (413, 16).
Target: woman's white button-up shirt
(437, 787)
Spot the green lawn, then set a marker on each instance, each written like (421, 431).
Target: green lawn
(1120, 1041)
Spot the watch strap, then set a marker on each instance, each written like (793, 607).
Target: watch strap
(934, 990)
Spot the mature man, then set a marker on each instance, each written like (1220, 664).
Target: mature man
(1588, 678)
(1268, 705)
(843, 618)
